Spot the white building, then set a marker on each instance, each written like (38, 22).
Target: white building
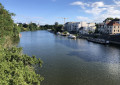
(72, 26)
(81, 27)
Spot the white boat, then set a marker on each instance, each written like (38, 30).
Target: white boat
(49, 29)
(107, 42)
(58, 33)
(72, 36)
(68, 34)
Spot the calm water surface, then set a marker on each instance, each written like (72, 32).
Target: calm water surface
(72, 62)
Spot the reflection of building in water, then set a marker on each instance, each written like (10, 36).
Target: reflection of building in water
(67, 42)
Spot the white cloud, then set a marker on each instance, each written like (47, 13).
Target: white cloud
(117, 2)
(95, 11)
(82, 18)
(28, 19)
(98, 4)
(79, 3)
(100, 10)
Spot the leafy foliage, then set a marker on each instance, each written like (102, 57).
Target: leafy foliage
(33, 26)
(15, 68)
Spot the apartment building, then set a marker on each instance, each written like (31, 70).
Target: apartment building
(110, 27)
(81, 27)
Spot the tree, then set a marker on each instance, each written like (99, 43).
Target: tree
(15, 67)
(32, 26)
(56, 23)
(6, 22)
(25, 25)
(117, 18)
(96, 30)
(109, 18)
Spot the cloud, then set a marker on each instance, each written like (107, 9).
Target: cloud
(82, 18)
(28, 19)
(100, 10)
(117, 2)
(53, 0)
(98, 4)
(79, 3)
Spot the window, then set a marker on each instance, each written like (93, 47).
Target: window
(118, 30)
(114, 30)
(114, 26)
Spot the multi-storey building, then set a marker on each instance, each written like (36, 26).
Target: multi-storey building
(81, 27)
(109, 27)
(72, 26)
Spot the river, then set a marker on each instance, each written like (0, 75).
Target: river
(72, 62)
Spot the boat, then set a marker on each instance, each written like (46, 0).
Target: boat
(72, 36)
(65, 34)
(58, 33)
(48, 29)
(101, 41)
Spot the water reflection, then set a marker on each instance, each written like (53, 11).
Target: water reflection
(72, 62)
(74, 44)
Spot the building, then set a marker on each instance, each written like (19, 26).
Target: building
(81, 27)
(72, 26)
(89, 28)
(109, 27)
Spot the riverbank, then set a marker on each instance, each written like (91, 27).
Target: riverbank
(113, 39)
(72, 62)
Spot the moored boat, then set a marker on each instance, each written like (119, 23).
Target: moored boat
(72, 36)
(101, 41)
(58, 33)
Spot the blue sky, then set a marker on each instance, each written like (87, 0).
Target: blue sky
(51, 11)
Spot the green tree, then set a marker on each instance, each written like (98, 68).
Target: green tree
(56, 23)
(32, 26)
(15, 67)
(6, 23)
(109, 18)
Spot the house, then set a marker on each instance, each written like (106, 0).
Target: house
(109, 27)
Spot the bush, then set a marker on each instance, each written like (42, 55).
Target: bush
(16, 69)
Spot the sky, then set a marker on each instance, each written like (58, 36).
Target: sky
(51, 11)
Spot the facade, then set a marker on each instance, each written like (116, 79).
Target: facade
(89, 28)
(72, 26)
(81, 27)
(110, 27)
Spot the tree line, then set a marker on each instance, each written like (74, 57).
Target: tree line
(33, 26)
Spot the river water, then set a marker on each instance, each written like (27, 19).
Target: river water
(72, 62)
